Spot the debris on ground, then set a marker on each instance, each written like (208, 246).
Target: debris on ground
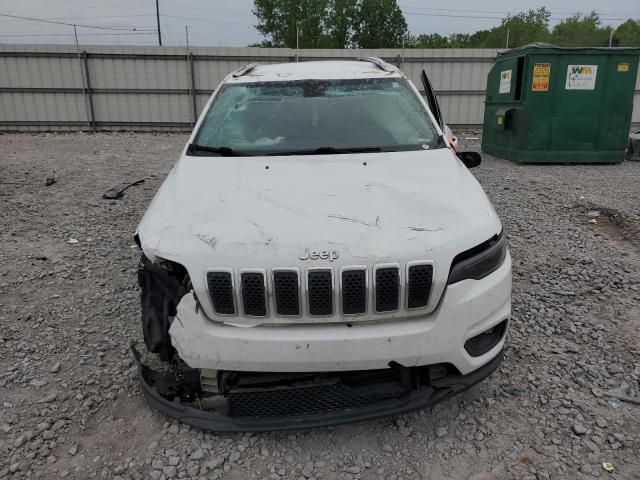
(50, 181)
(624, 398)
(614, 402)
(118, 191)
(573, 337)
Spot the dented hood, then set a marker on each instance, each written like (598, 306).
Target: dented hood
(320, 210)
(255, 210)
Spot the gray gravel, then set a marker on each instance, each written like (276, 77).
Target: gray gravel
(70, 406)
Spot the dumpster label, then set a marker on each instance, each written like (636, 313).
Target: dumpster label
(505, 81)
(541, 74)
(623, 67)
(581, 77)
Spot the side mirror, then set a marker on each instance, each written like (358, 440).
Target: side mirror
(470, 159)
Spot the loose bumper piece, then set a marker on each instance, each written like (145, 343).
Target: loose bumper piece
(163, 392)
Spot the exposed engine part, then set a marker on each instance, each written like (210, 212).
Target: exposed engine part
(177, 381)
(162, 286)
(209, 381)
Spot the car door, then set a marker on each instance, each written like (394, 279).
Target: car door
(432, 101)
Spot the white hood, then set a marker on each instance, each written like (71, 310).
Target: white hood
(265, 212)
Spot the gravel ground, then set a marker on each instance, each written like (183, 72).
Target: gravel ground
(70, 405)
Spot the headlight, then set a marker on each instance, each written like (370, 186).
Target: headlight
(479, 261)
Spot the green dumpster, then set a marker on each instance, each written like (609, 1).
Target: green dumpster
(547, 104)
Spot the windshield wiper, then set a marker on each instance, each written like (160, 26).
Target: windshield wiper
(328, 151)
(195, 149)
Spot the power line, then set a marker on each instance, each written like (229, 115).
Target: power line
(100, 17)
(207, 10)
(449, 15)
(148, 15)
(71, 34)
(511, 12)
(472, 16)
(65, 23)
(208, 21)
(85, 7)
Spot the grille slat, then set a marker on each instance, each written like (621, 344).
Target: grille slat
(286, 289)
(354, 291)
(320, 291)
(220, 286)
(419, 282)
(253, 294)
(387, 289)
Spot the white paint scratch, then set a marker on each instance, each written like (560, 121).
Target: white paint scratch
(421, 228)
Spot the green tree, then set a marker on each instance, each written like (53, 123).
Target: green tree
(379, 24)
(478, 39)
(280, 21)
(341, 19)
(331, 23)
(523, 28)
(430, 40)
(581, 31)
(628, 34)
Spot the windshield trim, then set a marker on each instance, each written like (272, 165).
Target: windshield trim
(194, 150)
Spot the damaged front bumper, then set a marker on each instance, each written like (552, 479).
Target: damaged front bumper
(310, 401)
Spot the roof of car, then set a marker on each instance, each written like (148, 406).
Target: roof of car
(316, 70)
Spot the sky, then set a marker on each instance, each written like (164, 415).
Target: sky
(232, 23)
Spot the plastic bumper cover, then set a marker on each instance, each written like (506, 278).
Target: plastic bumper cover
(421, 397)
(468, 308)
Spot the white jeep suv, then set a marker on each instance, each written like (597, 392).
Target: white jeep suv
(319, 254)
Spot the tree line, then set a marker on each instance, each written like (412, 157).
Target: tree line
(381, 24)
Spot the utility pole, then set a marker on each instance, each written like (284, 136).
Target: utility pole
(75, 35)
(507, 38)
(158, 21)
(297, 40)
(610, 36)
(82, 76)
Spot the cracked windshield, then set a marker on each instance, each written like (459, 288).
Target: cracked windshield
(304, 116)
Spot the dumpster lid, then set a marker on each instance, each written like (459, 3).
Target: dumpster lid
(549, 46)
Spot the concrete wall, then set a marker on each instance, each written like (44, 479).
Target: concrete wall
(55, 87)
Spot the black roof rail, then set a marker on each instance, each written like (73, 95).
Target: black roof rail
(244, 70)
(378, 62)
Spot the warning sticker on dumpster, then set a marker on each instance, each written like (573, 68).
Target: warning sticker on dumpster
(505, 81)
(581, 77)
(541, 74)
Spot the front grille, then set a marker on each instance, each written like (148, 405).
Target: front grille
(387, 289)
(354, 292)
(259, 394)
(302, 400)
(279, 292)
(419, 285)
(253, 295)
(320, 290)
(285, 288)
(221, 290)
